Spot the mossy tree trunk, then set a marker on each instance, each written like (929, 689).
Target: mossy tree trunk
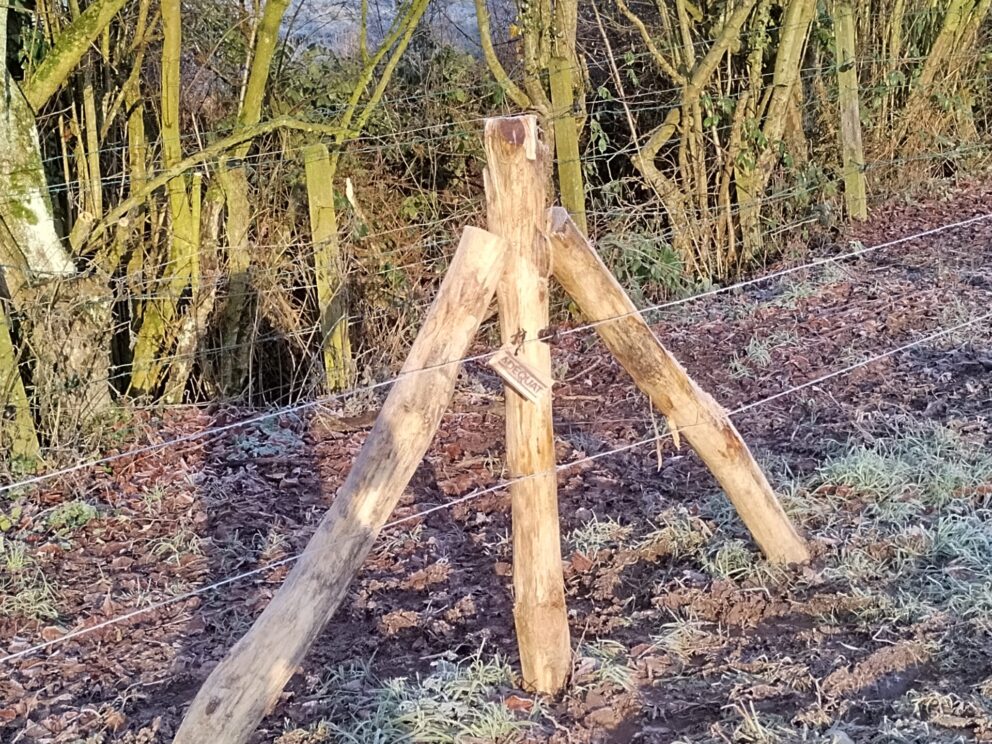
(852, 151)
(202, 294)
(752, 173)
(70, 46)
(711, 157)
(328, 271)
(30, 242)
(682, 189)
(17, 433)
(61, 318)
(565, 82)
(236, 328)
(148, 368)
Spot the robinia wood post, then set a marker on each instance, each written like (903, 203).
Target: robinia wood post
(690, 411)
(516, 180)
(246, 684)
(850, 115)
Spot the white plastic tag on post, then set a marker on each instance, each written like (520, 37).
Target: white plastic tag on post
(519, 375)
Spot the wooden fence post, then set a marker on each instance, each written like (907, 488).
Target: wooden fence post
(690, 411)
(327, 268)
(850, 115)
(247, 683)
(516, 182)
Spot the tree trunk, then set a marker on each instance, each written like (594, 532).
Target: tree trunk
(70, 46)
(26, 208)
(328, 274)
(563, 67)
(91, 129)
(852, 152)
(62, 318)
(17, 433)
(148, 369)
(236, 329)
(201, 300)
(677, 200)
(752, 176)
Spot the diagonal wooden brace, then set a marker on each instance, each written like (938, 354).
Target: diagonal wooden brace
(696, 416)
(246, 684)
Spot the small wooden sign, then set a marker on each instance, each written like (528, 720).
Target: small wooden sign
(519, 375)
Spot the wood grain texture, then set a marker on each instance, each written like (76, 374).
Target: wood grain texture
(698, 418)
(247, 683)
(516, 197)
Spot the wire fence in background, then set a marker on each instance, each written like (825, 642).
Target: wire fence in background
(324, 400)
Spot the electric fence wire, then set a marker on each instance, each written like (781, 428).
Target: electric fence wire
(717, 211)
(404, 134)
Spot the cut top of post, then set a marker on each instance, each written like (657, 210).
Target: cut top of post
(517, 131)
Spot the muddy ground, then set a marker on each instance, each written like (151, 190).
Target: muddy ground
(682, 632)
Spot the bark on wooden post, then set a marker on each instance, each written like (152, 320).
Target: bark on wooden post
(850, 115)
(247, 683)
(690, 411)
(516, 178)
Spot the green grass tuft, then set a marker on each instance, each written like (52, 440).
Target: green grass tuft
(72, 515)
(24, 592)
(922, 538)
(596, 535)
(455, 703)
